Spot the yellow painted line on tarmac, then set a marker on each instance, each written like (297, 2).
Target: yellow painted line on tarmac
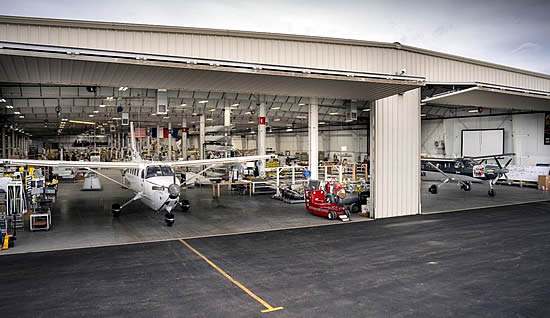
(268, 307)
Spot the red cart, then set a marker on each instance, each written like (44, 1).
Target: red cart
(316, 203)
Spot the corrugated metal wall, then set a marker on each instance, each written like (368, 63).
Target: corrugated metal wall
(241, 48)
(395, 155)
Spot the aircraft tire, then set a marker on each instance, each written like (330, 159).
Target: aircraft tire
(433, 189)
(491, 193)
(115, 209)
(169, 219)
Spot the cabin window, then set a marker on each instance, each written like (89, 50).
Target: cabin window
(158, 171)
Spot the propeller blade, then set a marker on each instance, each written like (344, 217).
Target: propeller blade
(498, 163)
(508, 162)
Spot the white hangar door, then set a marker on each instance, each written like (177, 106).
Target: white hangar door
(482, 142)
(395, 155)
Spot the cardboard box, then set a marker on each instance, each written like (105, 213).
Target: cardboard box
(544, 182)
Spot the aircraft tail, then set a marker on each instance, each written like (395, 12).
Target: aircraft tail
(135, 154)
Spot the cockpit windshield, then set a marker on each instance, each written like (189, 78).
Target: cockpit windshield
(159, 171)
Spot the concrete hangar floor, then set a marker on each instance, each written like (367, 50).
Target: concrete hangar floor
(491, 261)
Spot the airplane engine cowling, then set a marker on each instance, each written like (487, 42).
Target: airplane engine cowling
(174, 191)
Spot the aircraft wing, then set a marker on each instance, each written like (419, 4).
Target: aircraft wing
(73, 164)
(491, 156)
(220, 161)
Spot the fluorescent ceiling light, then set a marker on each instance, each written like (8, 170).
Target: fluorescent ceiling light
(289, 129)
(183, 105)
(64, 119)
(333, 113)
(366, 110)
(96, 111)
(110, 98)
(212, 110)
(348, 120)
(113, 118)
(82, 122)
(301, 104)
(422, 115)
(123, 88)
(251, 122)
(2, 100)
(91, 115)
(203, 101)
(194, 114)
(209, 119)
(21, 116)
(248, 113)
(153, 114)
(9, 106)
(473, 111)
(276, 107)
(235, 105)
(102, 106)
(301, 117)
(166, 117)
(277, 119)
(16, 112)
(322, 123)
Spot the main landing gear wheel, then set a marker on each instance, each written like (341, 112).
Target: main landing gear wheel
(115, 209)
(185, 205)
(169, 218)
(433, 189)
(466, 186)
(491, 193)
(331, 215)
(354, 208)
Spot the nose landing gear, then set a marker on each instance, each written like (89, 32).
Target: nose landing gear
(169, 218)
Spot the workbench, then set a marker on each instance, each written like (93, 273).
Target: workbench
(229, 183)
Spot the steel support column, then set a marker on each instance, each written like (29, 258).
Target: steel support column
(313, 134)
(184, 139)
(170, 141)
(261, 137)
(202, 134)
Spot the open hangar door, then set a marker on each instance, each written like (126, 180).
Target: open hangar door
(27, 75)
(463, 127)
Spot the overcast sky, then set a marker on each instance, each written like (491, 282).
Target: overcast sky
(514, 33)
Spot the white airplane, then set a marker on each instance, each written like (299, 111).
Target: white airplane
(154, 183)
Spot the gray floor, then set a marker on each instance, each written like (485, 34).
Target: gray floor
(452, 198)
(84, 219)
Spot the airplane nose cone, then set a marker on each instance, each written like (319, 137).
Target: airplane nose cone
(174, 191)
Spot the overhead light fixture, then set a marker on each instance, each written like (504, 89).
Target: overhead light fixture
(82, 122)
(212, 110)
(251, 122)
(9, 106)
(113, 118)
(183, 104)
(301, 104)
(277, 119)
(422, 115)
(21, 116)
(123, 88)
(91, 115)
(2, 100)
(16, 112)
(203, 101)
(289, 129)
(473, 111)
(96, 111)
(153, 114)
(348, 120)
(102, 106)
(248, 113)
(209, 119)
(301, 117)
(333, 113)
(366, 110)
(322, 123)
(110, 98)
(235, 105)
(64, 119)
(194, 114)
(166, 117)
(276, 108)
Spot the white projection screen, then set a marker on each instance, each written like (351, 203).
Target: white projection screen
(482, 142)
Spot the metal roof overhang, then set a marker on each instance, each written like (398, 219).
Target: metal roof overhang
(30, 64)
(493, 96)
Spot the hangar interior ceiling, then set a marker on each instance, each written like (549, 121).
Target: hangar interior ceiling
(40, 109)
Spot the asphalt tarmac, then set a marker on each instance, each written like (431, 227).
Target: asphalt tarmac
(491, 262)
